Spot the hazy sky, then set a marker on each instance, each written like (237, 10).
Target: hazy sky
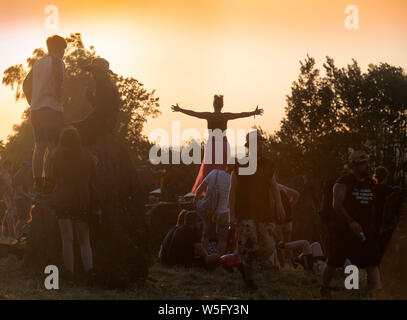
(189, 50)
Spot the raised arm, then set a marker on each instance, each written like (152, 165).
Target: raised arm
(200, 115)
(232, 116)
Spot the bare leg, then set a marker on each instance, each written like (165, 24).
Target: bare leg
(38, 159)
(47, 160)
(373, 275)
(84, 242)
(316, 249)
(65, 228)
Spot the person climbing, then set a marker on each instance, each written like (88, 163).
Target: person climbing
(217, 121)
(105, 102)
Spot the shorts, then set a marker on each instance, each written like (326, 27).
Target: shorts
(47, 124)
(23, 207)
(344, 244)
(256, 242)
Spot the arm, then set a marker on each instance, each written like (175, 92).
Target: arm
(275, 190)
(200, 115)
(203, 186)
(292, 194)
(232, 116)
(57, 70)
(232, 198)
(339, 193)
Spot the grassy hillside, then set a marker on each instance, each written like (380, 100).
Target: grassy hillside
(175, 284)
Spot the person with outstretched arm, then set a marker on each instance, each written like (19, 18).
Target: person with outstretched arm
(217, 121)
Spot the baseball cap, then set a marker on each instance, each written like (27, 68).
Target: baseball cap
(358, 156)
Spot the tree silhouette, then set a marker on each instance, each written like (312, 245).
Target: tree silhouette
(137, 103)
(326, 115)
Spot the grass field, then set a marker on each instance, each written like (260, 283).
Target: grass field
(180, 283)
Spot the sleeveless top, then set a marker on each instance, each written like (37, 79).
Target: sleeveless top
(358, 201)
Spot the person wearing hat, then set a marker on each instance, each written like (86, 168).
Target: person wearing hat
(353, 200)
(255, 207)
(43, 90)
(23, 197)
(105, 102)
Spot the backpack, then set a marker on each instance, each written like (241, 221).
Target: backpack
(210, 202)
(28, 86)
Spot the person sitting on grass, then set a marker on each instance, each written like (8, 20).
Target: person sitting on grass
(73, 172)
(216, 224)
(163, 253)
(186, 249)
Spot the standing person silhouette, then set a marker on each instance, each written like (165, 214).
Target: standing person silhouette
(216, 120)
(43, 90)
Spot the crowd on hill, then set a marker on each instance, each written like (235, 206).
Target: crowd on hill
(243, 223)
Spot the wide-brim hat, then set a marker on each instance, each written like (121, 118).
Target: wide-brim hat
(98, 64)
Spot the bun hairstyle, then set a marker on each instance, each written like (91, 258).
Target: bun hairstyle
(218, 101)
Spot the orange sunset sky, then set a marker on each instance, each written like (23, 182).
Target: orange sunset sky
(189, 50)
